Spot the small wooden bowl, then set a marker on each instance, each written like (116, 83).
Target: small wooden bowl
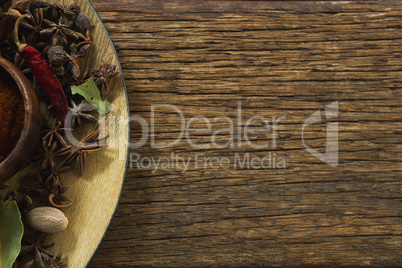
(31, 126)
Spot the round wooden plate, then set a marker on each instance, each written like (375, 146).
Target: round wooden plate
(95, 194)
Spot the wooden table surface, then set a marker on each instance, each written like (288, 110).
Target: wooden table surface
(276, 63)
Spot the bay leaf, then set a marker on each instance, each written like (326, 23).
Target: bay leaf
(89, 90)
(1, 254)
(11, 231)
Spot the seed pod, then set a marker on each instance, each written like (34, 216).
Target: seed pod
(59, 70)
(56, 56)
(83, 22)
(47, 220)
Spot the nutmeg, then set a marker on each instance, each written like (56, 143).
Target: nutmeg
(47, 219)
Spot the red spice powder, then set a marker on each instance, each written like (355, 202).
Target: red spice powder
(11, 114)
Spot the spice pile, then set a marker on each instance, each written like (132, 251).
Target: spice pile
(58, 40)
(11, 114)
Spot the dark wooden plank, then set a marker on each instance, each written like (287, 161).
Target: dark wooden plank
(275, 58)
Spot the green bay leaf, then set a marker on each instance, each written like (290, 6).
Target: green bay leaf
(89, 90)
(11, 231)
(1, 253)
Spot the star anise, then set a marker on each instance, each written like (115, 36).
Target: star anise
(69, 11)
(54, 132)
(47, 154)
(53, 262)
(84, 78)
(51, 189)
(86, 38)
(33, 24)
(91, 143)
(31, 184)
(81, 111)
(57, 192)
(60, 31)
(74, 65)
(60, 170)
(37, 247)
(103, 75)
(79, 54)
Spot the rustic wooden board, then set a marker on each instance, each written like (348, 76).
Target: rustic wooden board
(276, 58)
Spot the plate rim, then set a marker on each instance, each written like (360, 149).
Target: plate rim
(128, 136)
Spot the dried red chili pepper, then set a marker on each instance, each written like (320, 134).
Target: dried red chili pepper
(44, 74)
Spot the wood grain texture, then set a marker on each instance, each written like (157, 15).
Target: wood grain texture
(275, 58)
